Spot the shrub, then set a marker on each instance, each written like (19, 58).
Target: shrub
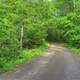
(34, 36)
(9, 48)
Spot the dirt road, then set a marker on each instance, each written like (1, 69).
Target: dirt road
(56, 63)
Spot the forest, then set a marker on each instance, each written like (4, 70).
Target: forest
(27, 26)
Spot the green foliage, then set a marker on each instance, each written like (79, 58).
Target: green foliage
(25, 56)
(41, 20)
(67, 29)
(14, 14)
(35, 29)
(52, 31)
(34, 37)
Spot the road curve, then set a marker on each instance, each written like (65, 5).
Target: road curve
(56, 63)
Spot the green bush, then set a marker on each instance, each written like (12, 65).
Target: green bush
(65, 29)
(69, 29)
(9, 45)
(34, 36)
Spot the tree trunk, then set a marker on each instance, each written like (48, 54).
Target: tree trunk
(74, 5)
(21, 37)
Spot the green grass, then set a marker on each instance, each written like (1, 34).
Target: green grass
(25, 56)
(75, 50)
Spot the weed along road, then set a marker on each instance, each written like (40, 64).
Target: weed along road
(56, 63)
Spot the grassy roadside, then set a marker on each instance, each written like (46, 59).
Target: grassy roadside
(26, 55)
(74, 50)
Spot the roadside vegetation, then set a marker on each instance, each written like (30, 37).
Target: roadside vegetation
(26, 26)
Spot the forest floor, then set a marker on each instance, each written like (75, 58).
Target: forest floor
(56, 63)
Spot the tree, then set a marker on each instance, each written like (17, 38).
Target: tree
(65, 6)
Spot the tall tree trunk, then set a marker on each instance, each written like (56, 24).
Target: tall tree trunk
(21, 37)
(74, 5)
